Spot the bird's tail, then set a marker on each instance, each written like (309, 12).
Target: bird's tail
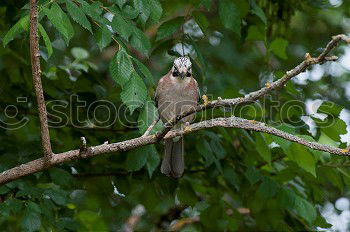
(173, 161)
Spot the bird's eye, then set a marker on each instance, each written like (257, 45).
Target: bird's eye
(188, 74)
(175, 74)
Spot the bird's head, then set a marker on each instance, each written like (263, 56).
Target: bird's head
(182, 67)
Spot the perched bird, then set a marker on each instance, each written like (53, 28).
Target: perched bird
(176, 93)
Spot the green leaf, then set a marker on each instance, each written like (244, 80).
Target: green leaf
(144, 9)
(153, 159)
(330, 108)
(260, 13)
(91, 220)
(78, 15)
(123, 27)
(46, 39)
(305, 209)
(214, 213)
(20, 26)
(94, 10)
(60, 21)
(121, 67)
(205, 150)
(230, 16)
(60, 176)
(243, 7)
(103, 37)
(156, 10)
(303, 157)
(136, 159)
(33, 207)
(11, 206)
(254, 33)
(169, 27)
(253, 175)
(201, 20)
(206, 3)
(140, 41)
(186, 194)
(216, 147)
(129, 12)
(4, 190)
(268, 188)
(286, 198)
(231, 177)
(79, 53)
(145, 71)
(263, 148)
(324, 139)
(148, 114)
(120, 3)
(332, 127)
(31, 220)
(284, 144)
(134, 92)
(278, 47)
(58, 196)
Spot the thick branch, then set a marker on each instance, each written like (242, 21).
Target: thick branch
(36, 72)
(232, 122)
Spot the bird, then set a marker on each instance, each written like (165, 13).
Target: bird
(176, 92)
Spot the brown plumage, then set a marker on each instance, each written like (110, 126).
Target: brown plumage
(176, 92)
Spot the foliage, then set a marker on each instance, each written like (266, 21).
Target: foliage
(101, 60)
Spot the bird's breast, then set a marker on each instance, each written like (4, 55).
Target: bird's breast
(176, 97)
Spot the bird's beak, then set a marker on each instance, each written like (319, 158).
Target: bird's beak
(182, 75)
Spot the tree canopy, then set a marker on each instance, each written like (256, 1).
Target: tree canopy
(100, 63)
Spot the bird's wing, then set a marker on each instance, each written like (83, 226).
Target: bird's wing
(198, 92)
(159, 86)
(156, 97)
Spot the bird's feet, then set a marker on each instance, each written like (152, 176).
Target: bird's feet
(205, 100)
(187, 127)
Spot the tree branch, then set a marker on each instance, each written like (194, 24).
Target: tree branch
(231, 122)
(150, 128)
(36, 72)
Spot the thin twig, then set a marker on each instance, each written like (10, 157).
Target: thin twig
(36, 72)
(150, 128)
